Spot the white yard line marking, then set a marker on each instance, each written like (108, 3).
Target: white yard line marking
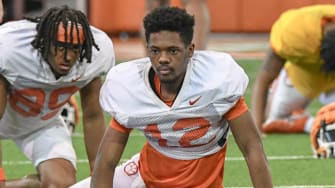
(274, 158)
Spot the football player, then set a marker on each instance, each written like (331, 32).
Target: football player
(43, 62)
(185, 102)
(301, 59)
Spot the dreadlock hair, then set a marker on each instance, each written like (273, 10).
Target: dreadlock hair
(327, 51)
(170, 19)
(47, 29)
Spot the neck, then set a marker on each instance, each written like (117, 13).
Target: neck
(170, 90)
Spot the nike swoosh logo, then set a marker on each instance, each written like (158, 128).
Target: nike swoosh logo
(192, 102)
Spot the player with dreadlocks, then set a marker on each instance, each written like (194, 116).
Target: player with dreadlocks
(43, 62)
(56, 20)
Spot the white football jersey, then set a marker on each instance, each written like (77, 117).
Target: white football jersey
(194, 124)
(35, 95)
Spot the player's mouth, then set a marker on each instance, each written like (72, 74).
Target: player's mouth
(164, 70)
(64, 67)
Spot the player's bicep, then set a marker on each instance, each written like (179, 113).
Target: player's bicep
(273, 63)
(111, 148)
(245, 132)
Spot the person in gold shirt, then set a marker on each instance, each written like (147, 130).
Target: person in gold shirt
(298, 67)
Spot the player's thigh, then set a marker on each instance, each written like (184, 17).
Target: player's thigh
(51, 143)
(128, 174)
(285, 98)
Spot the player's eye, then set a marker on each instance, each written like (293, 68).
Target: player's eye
(173, 51)
(153, 51)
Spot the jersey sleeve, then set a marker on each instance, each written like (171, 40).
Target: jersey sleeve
(237, 110)
(229, 79)
(104, 58)
(105, 97)
(2, 62)
(117, 126)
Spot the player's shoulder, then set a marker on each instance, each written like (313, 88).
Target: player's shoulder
(217, 68)
(129, 68)
(17, 30)
(17, 25)
(15, 41)
(214, 61)
(99, 34)
(101, 38)
(303, 16)
(103, 57)
(327, 9)
(211, 56)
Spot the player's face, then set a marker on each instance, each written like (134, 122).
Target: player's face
(61, 62)
(169, 56)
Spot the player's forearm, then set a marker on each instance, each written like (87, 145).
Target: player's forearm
(104, 169)
(93, 132)
(260, 175)
(259, 169)
(102, 179)
(108, 157)
(269, 71)
(258, 102)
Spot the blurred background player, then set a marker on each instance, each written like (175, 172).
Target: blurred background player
(302, 60)
(43, 62)
(199, 9)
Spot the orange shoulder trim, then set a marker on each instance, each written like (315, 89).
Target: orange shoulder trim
(117, 126)
(239, 108)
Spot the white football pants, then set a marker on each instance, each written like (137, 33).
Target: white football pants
(126, 175)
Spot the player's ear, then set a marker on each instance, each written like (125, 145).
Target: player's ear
(190, 49)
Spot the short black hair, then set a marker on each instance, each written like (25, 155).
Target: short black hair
(327, 52)
(47, 29)
(170, 19)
